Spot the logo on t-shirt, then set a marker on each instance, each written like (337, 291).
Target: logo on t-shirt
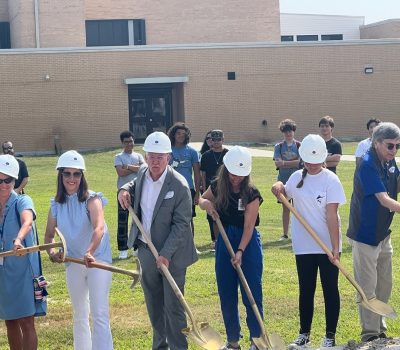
(320, 198)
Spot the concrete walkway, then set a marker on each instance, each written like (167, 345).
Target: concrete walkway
(269, 154)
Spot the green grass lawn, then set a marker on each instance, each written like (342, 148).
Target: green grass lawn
(129, 320)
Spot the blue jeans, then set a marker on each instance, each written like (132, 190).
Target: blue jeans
(228, 282)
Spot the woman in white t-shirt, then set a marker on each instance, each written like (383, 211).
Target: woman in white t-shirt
(317, 194)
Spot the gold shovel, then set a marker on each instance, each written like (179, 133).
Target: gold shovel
(266, 341)
(136, 275)
(374, 305)
(202, 333)
(36, 248)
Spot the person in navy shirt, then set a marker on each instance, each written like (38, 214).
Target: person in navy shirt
(186, 161)
(372, 207)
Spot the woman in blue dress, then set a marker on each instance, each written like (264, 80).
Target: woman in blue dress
(17, 302)
(78, 214)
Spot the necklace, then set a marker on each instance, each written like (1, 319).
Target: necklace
(215, 158)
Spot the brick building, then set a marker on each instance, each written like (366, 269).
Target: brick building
(224, 68)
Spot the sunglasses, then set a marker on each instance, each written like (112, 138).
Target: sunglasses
(391, 146)
(68, 174)
(7, 148)
(7, 181)
(216, 139)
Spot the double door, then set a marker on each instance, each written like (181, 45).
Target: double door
(149, 110)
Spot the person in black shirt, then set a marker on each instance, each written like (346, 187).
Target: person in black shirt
(209, 165)
(235, 200)
(23, 176)
(334, 147)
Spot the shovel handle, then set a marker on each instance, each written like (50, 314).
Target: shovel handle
(32, 249)
(243, 280)
(102, 266)
(164, 269)
(315, 236)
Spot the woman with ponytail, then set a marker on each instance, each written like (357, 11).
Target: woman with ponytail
(317, 194)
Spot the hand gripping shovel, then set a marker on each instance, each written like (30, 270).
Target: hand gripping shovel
(202, 334)
(136, 275)
(373, 304)
(36, 248)
(265, 342)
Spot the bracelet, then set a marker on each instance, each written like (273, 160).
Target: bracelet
(240, 250)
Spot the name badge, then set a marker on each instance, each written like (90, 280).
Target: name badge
(1, 261)
(240, 205)
(175, 164)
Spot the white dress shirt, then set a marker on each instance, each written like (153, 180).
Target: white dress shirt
(150, 192)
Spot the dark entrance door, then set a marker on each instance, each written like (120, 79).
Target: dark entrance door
(149, 109)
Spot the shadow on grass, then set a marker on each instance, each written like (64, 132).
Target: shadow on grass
(286, 244)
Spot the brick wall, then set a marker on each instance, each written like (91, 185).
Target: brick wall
(22, 23)
(86, 101)
(62, 23)
(4, 11)
(384, 29)
(183, 21)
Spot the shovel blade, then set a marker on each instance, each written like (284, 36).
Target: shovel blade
(379, 307)
(270, 342)
(205, 336)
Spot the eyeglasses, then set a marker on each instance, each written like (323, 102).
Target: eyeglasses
(391, 146)
(159, 158)
(68, 174)
(7, 148)
(216, 139)
(7, 181)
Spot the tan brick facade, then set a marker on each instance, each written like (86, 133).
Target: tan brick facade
(206, 21)
(85, 101)
(384, 29)
(4, 11)
(22, 23)
(62, 23)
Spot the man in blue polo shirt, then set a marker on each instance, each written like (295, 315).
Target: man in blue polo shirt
(372, 207)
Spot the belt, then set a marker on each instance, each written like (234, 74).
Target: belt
(142, 244)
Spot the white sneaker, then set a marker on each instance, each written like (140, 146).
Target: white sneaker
(198, 251)
(134, 252)
(123, 254)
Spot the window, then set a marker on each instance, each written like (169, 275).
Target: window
(287, 38)
(332, 37)
(5, 42)
(307, 37)
(115, 32)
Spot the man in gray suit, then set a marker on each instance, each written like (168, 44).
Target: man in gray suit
(162, 199)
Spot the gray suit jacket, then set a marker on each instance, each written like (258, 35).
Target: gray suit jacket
(171, 231)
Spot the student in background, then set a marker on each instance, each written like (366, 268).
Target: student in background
(127, 164)
(287, 161)
(334, 147)
(365, 145)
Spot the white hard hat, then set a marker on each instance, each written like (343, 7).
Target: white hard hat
(157, 142)
(71, 159)
(313, 149)
(9, 165)
(238, 161)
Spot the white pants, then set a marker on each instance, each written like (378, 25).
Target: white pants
(89, 289)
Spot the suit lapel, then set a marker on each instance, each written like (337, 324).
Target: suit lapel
(163, 192)
(138, 190)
